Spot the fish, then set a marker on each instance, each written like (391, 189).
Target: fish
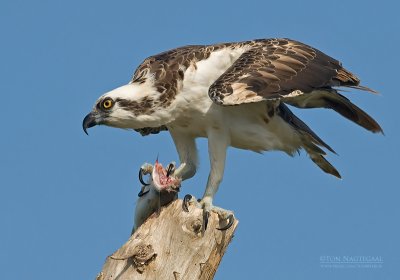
(161, 189)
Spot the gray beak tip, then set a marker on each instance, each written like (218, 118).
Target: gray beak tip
(88, 122)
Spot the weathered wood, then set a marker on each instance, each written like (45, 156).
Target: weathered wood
(170, 245)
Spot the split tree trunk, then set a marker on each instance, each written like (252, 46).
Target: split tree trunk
(170, 245)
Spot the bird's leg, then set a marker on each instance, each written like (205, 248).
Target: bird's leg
(218, 143)
(186, 148)
(217, 146)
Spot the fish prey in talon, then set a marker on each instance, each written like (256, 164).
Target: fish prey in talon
(159, 191)
(163, 181)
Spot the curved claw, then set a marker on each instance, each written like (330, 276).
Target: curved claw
(185, 202)
(142, 193)
(141, 178)
(170, 169)
(231, 220)
(206, 215)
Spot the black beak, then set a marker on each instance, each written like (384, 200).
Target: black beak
(88, 121)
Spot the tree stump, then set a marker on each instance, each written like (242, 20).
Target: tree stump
(170, 245)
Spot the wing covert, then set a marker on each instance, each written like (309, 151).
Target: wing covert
(274, 68)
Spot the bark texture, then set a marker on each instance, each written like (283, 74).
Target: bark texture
(170, 245)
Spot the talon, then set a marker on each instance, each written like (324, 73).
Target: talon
(231, 220)
(141, 178)
(170, 169)
(185, 202)
(206, 215)
(142, 193)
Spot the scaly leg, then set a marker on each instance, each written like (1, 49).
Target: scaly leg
(218, 142)
(186, 148)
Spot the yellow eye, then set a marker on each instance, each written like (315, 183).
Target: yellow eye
(107, 103)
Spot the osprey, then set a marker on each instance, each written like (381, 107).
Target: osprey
(234, 94)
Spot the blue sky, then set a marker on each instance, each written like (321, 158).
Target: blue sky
(67, 199)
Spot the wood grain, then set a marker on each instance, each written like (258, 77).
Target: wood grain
(170, 245)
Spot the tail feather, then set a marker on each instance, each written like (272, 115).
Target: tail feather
(331, 99)
(309, 140)
(299, 125)
(324, 164)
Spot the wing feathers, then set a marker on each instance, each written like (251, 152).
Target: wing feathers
(291, 62)
(283, 68)
(350, 111)
(276, 68)
(280, 66)
(332, 100)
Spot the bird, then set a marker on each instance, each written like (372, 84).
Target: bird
(235, 94)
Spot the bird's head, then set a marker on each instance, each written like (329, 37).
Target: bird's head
(130, 107)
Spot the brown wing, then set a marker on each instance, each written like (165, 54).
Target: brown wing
(168, 61)
(274, 68)
(168, 68)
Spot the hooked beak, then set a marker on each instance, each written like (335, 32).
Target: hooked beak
(88, 122)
